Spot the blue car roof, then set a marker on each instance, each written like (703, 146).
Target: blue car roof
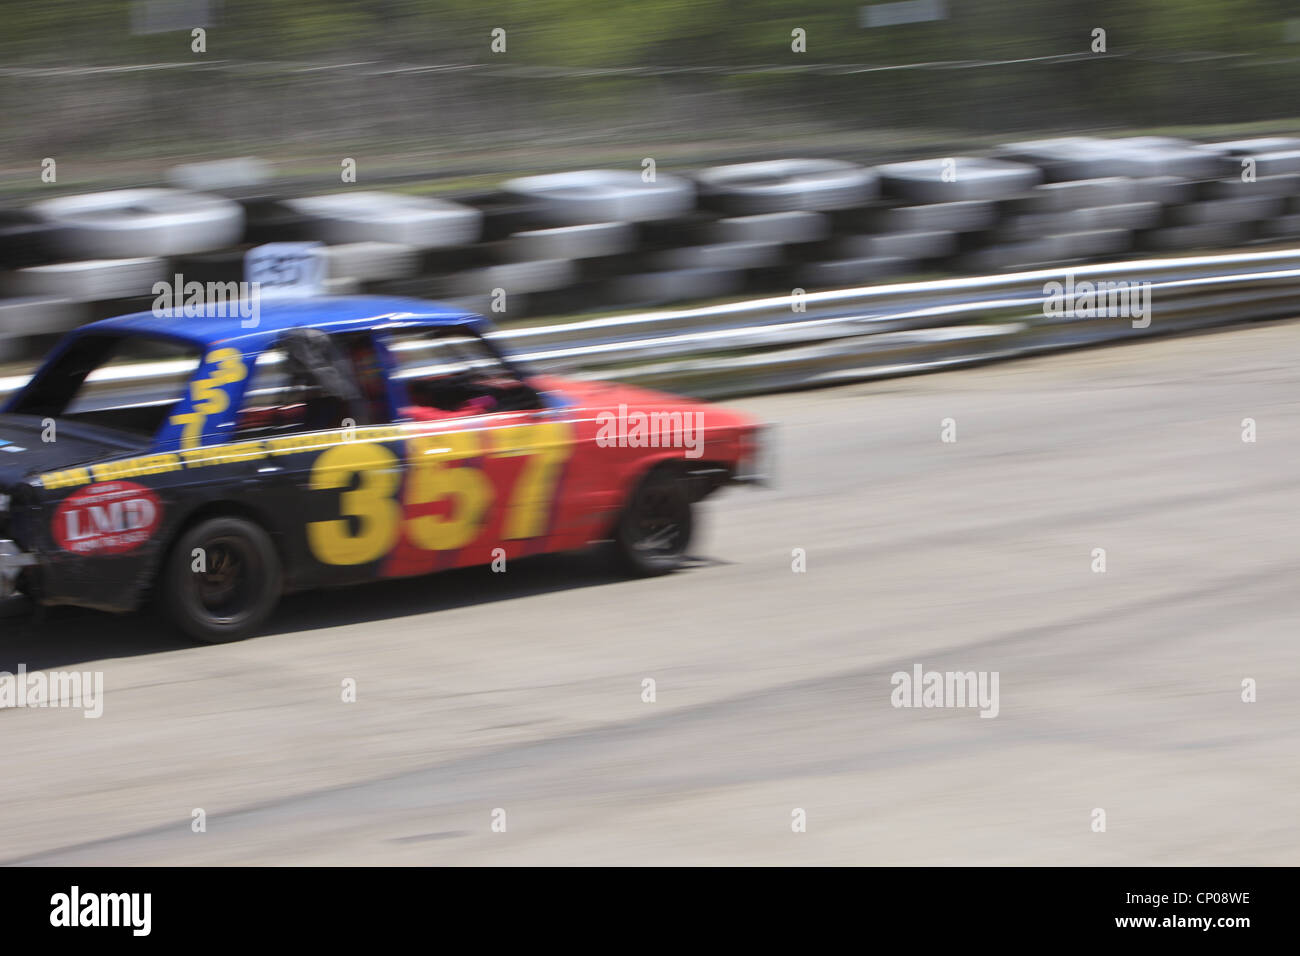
(329, 314)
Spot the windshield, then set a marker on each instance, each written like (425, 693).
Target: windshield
(453, 372)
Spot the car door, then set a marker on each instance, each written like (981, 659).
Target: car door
(486, 457)
(333, 465)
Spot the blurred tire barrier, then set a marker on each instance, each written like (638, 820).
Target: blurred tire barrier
(224, 265)
(667, 286)
(1277, 187)
(1197, 236)
(504, 215)
(140, 222)
(901, 245)
(787, 227)
(840, 272)
(602, 195)
(387, 217)
(860, 333)
(538, 275)
(1095, 243)
(1128, 215)
(22, 317)
(1272, 156)
(598, 239)
(1166, 190)
(1020, 254)
(787, 185)
(88, 281)
(1225, 210)
(1085, 157)
(572, 242)
(269, 219)
(957, 179)
(959, 216)
(25, 238)
(371, 261)
(1076, 194)
(1282, 227)
(721, 255)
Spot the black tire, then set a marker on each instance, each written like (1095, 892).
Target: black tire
(655, 528)
(237, 592)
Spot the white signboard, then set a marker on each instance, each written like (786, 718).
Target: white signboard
(286, 269)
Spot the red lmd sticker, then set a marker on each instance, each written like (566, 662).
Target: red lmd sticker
(112, 517)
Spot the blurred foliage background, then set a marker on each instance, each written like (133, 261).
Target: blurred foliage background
(628, 32)
(116, 79)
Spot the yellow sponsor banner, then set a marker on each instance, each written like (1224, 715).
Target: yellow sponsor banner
(66, 479)
(209, 455)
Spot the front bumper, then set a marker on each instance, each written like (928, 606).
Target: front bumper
(756, 467)
(12, 562)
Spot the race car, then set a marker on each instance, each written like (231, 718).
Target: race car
(212, 466)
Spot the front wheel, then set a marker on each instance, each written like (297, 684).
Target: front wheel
(654, 530)
(222, 580)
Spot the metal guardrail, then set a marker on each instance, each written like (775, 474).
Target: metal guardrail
(825, 337)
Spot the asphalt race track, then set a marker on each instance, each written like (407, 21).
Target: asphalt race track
(522, 691)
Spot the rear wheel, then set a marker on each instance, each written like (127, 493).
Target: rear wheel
(654, 530)
(222, 580)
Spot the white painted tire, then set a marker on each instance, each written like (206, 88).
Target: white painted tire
(96, 279)
(1075, 194)
(602, 195)
(367, 216)
(1253, 147)
(572, 242)
(1272, 155)
(957, 179)
(787, 185)
(1087, 157)
(141, 222)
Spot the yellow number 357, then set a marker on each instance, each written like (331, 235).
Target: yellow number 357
(371, 473)
(208, 395)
